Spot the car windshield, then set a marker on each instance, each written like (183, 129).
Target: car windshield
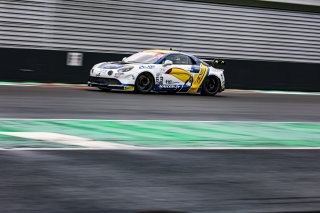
(205, 63)
(144, 57)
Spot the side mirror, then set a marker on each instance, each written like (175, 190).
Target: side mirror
(124, 59)
(167, 63)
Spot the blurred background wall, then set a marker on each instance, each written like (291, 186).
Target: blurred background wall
(267, 44)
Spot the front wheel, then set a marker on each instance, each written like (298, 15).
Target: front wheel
(144, 83)
(211, 86)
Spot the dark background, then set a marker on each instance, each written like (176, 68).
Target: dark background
(50, 66)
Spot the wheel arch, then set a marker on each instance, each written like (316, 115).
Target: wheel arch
(149, 75)
(146, 72)
(208, 77)
(212, 75)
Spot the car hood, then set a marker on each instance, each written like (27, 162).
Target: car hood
(111, 65)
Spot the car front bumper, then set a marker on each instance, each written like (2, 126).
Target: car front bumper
(109, 83)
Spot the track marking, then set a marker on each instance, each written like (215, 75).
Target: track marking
(160, 135)
(68, 140)
(88, 144)
(163, 148)
(164, 120)
(37, 84)
(276, 92)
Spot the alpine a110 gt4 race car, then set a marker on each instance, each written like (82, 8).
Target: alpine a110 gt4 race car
(159, 70)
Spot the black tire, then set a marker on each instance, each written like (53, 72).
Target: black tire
(211, 86)
(104, 89)
(144, 83)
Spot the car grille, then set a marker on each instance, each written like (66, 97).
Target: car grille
(106, 81)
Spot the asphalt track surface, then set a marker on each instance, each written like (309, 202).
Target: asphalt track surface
(132, 181)
(146, 181)
(70, 103)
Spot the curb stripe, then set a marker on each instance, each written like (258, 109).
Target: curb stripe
(67, 140)
(164, 148)
(164, 135)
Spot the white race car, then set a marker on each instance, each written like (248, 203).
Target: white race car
(159, 70)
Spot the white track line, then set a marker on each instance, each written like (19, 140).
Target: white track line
(68, 140)
(152, 120)
(162, 149)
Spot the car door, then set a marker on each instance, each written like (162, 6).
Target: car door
(177, 75)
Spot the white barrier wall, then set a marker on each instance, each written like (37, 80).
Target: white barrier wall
(126, 26)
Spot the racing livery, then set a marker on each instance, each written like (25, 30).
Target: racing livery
(159, 70)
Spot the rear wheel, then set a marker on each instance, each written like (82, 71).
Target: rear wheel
(144, 83)
(211, 86)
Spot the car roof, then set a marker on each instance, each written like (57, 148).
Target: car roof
(161, 51)
(167, 52)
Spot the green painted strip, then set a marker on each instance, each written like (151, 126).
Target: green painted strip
(176, 134)
(6, 83)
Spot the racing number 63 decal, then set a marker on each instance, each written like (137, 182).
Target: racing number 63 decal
(198, 79)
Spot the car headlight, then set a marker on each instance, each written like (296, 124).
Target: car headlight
(92, 69)
(125, 69)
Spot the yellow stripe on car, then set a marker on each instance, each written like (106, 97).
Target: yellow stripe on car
(128, 88)
(198, 79)
(180, 74)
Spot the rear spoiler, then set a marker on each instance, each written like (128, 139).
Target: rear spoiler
(213, 61)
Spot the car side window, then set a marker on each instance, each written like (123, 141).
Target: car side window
(192, 62)
(179, 59)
